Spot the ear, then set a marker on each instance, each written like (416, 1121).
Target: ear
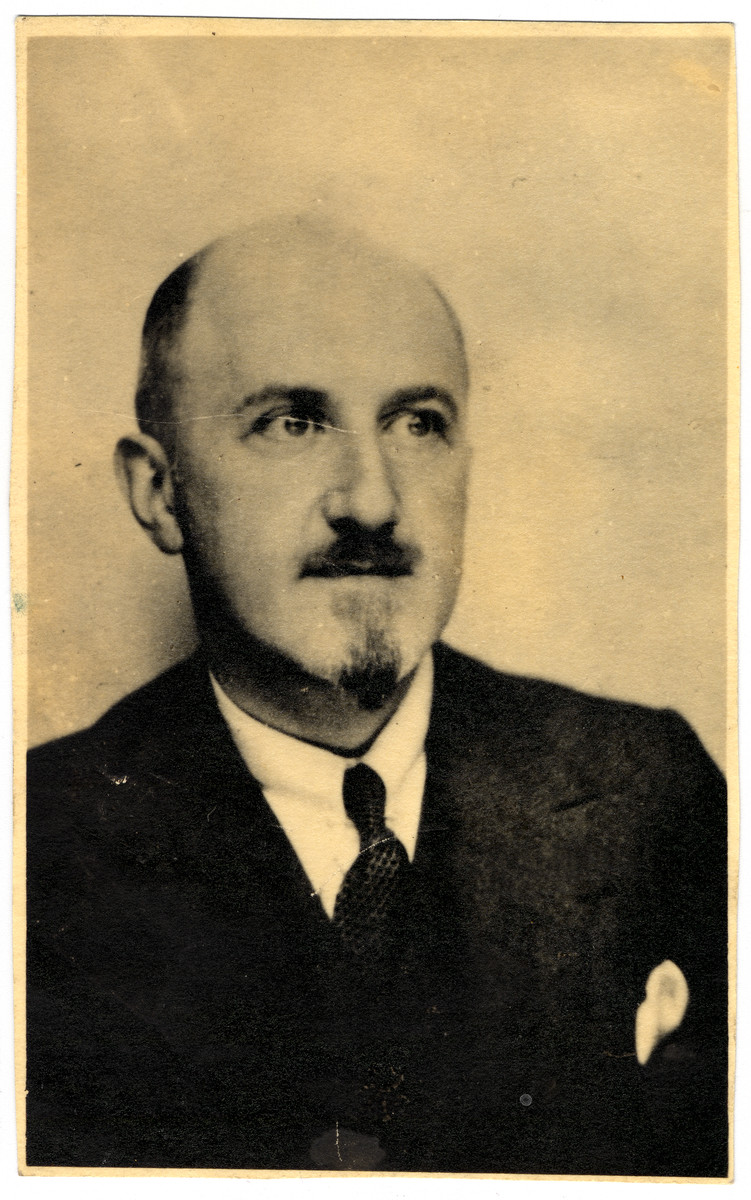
(144, 474)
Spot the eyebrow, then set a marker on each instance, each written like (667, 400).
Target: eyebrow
(429, 392)
(278, 391)
(315, 397)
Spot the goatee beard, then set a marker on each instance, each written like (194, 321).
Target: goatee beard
(371, 685)
(372, 674)
(371, 668)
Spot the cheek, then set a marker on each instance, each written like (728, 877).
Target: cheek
(245, 519)
(439, 510)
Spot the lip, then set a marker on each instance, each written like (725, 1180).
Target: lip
(356, 568)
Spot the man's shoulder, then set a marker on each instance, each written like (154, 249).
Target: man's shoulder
(544, 720)
(469, 686)
(154, 716)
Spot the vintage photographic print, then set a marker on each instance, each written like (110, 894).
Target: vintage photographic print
(374, 551)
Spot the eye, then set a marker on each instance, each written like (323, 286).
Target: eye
(419, 423)
(287, 426)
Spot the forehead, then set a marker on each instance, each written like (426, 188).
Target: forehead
(330, 318)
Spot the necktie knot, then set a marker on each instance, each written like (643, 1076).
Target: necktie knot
(364, 798)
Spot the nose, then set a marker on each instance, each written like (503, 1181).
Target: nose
(363, 489)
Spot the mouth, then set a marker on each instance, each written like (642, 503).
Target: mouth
(356, 568)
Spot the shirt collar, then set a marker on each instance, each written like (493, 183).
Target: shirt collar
(284, 763)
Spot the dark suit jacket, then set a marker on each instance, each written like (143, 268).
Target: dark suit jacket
(188, 1005)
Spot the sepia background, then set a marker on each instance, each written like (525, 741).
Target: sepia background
(569, 193)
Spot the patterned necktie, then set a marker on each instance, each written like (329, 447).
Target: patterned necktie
(365, 902)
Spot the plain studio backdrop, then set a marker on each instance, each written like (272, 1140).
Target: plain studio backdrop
(569, 194)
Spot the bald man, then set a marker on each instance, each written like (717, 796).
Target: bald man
(330, 895)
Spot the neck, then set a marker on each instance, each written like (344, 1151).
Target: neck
(274, 690)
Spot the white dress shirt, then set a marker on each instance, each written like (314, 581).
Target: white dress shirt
(302, 783)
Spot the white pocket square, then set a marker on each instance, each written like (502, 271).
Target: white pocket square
(663, 1009)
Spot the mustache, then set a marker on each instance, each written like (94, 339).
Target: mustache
(360, 551)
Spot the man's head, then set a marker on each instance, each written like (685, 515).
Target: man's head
(302, 411)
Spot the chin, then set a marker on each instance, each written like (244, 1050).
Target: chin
(372, 685)
(371, 667)
(372, 671)
(364, 643)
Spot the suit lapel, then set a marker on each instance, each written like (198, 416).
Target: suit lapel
(231, 837)
(540, 890)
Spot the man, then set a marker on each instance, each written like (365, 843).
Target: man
(330, 895)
